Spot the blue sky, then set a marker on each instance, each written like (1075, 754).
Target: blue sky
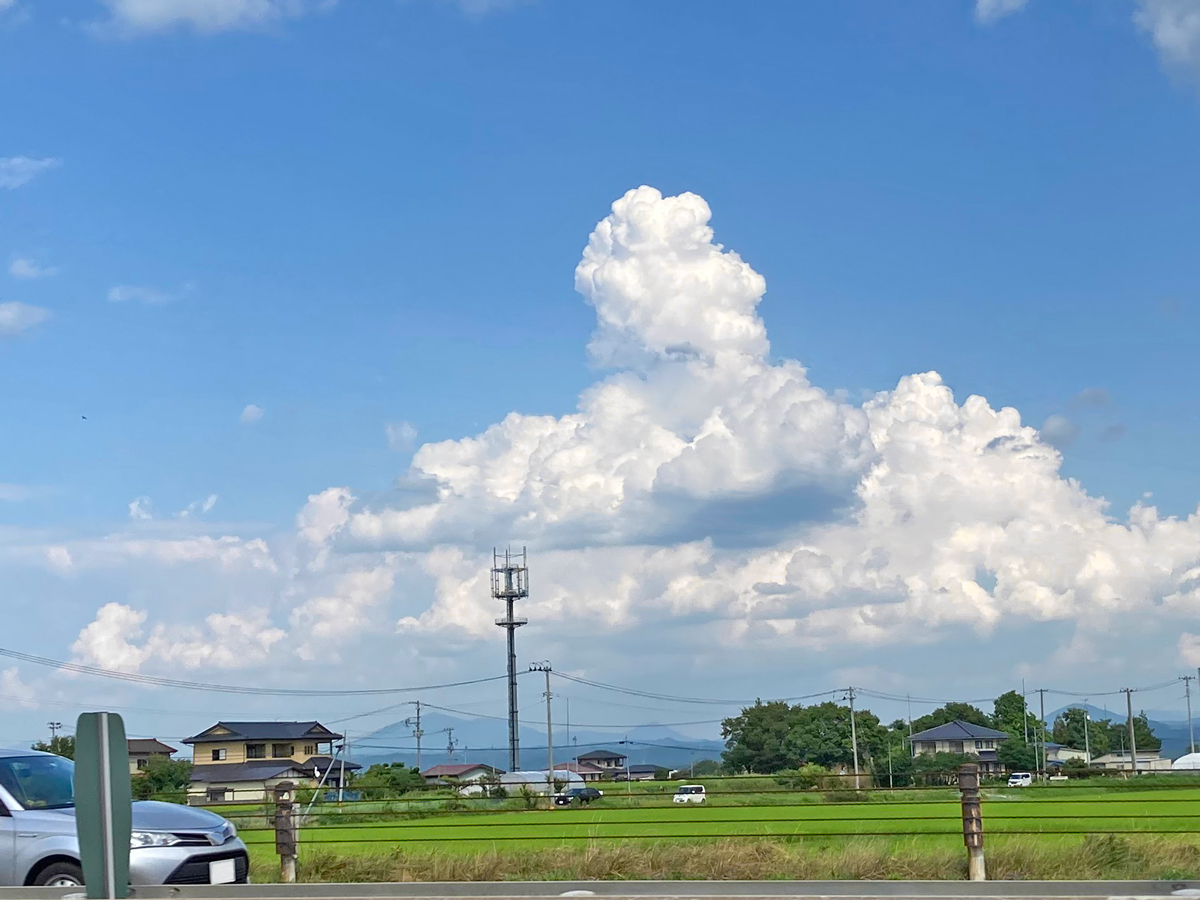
(357, 215)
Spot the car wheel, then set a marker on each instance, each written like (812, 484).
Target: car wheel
(60, 874)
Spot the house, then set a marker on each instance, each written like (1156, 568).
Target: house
(1147, 761)
(461, 773)
(244, 761)
(961, 737)
(605, 760)
(142, 750)
(1057, 754)
(637, 773)
(586, 771)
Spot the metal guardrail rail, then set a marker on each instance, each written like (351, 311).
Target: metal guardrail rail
(653, 890)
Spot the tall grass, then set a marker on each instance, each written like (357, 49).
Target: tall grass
(1017, 858)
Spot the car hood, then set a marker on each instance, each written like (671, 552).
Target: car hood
(148, 815)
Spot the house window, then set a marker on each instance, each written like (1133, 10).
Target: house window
(979, 745)
(989, 744)
(956, 746)
(256, 751)
(282, 751)
(926, 746)
(216, 795)
(141, 765)
(310, 749)
(219, 755)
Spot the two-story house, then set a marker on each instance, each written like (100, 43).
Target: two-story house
(142, 750)
(244, 761)
(961, 737)
(606, 761)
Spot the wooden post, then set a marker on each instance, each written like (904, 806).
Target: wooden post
(285, 831)
(968, 786)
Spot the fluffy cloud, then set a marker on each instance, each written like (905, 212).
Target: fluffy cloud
(15, 694)
(204, 16)
(16, 318)
(250, 414)
(21, 267)
(911, 515)
(17, 171)
(227, 641)
(1174, 26)
(141, 509)
(988, 11)
(400, 435)
(699, 482)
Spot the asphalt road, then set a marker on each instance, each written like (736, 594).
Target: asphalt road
(667, 890)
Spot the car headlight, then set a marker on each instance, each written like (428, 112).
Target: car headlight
(229, 831)
(152, 839)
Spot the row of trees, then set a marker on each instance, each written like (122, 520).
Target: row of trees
(777, 736)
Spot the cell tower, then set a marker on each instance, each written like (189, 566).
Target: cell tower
(510, 582)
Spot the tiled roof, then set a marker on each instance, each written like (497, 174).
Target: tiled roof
(599, 754)
(266, 731)
(457, 770)
(959, 731)
(252, 771)
(151, 746)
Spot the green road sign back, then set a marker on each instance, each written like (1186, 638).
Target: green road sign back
(103, 804)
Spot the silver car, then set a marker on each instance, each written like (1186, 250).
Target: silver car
(38, 846)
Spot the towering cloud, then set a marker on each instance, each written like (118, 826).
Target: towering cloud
(700, 478)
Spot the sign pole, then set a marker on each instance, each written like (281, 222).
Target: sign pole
(103, 804)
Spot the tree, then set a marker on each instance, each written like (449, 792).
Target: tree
(1069, 729)
(383, 781)
(163, 779)
(705, 767)
(754, 740)
(60, 744)
(952, 712)
(822, 735)
(771, 737)
(1118, 734)
(1010, 714)
(1017, 756)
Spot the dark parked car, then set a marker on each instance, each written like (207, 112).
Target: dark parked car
(583, 796)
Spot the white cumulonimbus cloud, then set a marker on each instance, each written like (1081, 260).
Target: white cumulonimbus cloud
(702, 479)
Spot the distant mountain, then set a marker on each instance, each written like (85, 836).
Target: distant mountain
(1172, 732)
(486, 741)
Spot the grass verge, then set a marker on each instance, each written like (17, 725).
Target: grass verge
(1102, 857)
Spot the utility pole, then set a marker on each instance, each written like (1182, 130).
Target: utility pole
(568, 702)
(1132, 736)
(1087, 737)
(54, 728)
(1025, 712)
(342, 776)
(510, 583)
(1187, 686)
(414, 722)
(853, 735)
(545, 667)
(1042, 727)
(449, 745)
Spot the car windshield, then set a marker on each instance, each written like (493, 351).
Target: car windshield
(39, 782)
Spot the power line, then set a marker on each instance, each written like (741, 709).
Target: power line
(135, 678)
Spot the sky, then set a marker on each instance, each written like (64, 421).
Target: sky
(802, 345)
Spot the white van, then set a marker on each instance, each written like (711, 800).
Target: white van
(1020, 779)
(689, 793)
